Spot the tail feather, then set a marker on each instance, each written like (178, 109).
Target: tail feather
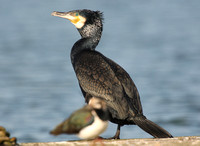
(151, 128)
(58, 130)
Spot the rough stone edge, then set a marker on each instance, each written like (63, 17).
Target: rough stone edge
(177, 141)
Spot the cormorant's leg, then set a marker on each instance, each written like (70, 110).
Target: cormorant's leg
(116, 136)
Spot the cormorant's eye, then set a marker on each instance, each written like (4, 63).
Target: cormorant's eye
(76, 14)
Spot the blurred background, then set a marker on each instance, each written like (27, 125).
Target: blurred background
(156, 42)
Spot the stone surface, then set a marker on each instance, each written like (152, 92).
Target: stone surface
(5, 139)
(177, 141)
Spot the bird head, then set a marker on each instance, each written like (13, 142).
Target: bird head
(80, 17)
(97, 103)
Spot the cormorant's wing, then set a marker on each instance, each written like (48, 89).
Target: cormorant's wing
(98, 78)
(127, 83)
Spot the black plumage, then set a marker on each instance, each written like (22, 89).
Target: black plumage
(101, 77)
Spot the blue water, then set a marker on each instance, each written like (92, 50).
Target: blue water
(157, 42)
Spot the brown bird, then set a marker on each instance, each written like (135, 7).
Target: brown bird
(88, 122)
(101, 77)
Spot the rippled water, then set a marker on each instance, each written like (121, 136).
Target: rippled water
(157, 42)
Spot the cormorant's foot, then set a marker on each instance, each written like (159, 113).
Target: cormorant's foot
(114, 137)
(117, 134)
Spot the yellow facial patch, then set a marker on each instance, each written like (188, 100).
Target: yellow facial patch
(78, 21)
(75, 20)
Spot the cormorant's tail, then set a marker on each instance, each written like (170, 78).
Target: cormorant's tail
(151, 128)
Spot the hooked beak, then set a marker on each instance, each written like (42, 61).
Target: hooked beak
(66, 15)
(77, 20)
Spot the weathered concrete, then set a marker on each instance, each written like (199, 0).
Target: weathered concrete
(177, 141)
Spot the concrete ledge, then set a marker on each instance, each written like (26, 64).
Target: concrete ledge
(177, 141)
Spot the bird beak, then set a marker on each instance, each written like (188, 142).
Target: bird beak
(67, 15)
(77, 20)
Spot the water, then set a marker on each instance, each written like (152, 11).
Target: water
(157, 42)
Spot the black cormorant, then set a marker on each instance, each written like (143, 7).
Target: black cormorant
(101, 77)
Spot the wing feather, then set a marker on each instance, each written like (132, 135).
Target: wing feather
(99, 77)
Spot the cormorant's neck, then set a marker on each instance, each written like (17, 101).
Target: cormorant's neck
(91, 35)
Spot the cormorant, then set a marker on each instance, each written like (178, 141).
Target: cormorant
(88, 122)
(101, 77)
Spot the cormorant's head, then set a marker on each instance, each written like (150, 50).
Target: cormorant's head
(81, 18)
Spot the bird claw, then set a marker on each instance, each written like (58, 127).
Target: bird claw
(114, 137)
(110, 138)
